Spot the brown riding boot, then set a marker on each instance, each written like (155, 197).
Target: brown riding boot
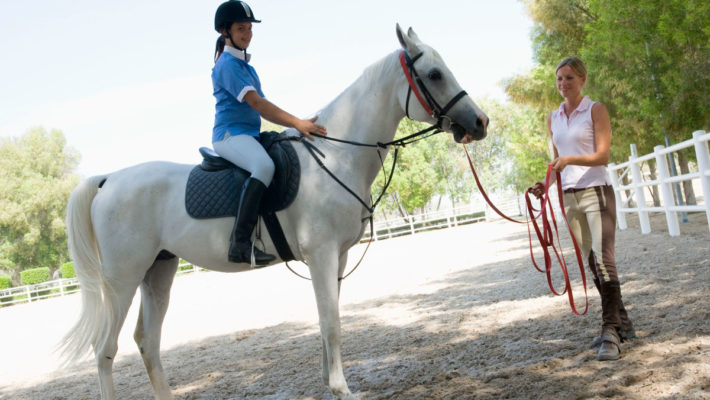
(610, 348)
(626, 331)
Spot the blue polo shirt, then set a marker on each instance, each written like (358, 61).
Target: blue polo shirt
(232, 79)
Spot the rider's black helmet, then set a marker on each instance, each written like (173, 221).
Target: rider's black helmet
(232, 11)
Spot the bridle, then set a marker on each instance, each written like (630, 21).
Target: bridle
(432, 108)
(416, 85)
(427, 101)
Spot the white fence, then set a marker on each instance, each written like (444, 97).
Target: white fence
(664, 182)
(58, 287)
(30, 293)
(440, 219)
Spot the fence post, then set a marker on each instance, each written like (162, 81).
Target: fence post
(701, 152)
(620, 216)
(27, 290)
(666, 191)
(638, 192)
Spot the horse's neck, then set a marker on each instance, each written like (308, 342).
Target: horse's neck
(367, 112)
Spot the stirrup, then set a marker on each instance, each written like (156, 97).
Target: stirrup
(248, 254)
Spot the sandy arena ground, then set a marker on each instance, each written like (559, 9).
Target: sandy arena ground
(453, 314)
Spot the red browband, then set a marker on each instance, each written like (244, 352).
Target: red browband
(412, 85)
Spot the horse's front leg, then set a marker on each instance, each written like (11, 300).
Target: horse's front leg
(324, 272)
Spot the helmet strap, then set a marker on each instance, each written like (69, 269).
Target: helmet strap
(228, 36)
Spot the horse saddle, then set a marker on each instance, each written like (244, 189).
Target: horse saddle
(214, 187)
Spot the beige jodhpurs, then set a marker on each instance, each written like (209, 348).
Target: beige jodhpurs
(591, 214)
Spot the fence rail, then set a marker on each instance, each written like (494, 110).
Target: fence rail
(669, 204)
(44, 290)
(60, 287)
(440, 219)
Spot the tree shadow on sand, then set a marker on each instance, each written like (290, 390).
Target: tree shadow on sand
(467, 339)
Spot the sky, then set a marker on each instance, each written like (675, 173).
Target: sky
(129, 82)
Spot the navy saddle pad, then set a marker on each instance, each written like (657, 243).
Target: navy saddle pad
(214, 187)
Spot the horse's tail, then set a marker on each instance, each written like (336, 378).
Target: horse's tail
(97, 299)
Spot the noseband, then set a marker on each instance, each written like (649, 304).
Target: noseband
(416, 85)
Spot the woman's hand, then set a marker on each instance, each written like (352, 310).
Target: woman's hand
(537, 190)
(308, 126)
(559, 163)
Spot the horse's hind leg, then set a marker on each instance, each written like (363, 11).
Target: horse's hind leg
(155, 294)
(118, 299)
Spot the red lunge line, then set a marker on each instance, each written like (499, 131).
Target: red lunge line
(545, 235)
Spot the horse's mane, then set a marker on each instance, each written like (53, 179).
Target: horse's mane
(370, 77)
(382, 67)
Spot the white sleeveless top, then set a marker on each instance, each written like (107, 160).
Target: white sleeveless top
(574, 136)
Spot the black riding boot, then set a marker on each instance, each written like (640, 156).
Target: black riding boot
(247, 215)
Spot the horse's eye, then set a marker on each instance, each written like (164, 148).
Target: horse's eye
(434, 75)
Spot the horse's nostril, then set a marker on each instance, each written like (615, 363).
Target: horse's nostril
(482, 122)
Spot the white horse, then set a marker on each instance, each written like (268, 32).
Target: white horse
(119, 223)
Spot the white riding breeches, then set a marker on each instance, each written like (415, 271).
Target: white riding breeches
(246, 152)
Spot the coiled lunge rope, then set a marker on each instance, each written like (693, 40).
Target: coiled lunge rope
(545, 235)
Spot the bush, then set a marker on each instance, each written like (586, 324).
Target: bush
(68, 270)
(185, 267)
(5, 283)
(34, 276)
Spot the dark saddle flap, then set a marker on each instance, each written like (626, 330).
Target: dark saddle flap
(214, 187)
(211, 161)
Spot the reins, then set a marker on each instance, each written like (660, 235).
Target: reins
(431, 107)
(317, 155)
(545, 236)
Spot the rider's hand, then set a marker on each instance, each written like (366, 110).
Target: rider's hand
(308, 126)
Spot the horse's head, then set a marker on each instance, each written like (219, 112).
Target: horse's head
(434, 95)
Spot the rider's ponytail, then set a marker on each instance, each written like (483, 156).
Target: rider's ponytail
(219, 48)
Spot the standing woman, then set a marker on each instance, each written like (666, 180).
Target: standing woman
(240, 106)
(581, 135)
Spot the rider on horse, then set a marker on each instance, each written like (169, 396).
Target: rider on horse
(239, 109)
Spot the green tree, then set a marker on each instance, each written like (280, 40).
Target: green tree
(655, 56)
(527, 145)
(558, 32)
(37, 177)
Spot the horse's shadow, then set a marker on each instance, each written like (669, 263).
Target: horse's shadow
(452, 347)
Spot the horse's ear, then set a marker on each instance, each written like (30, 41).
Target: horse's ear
(406, 41)
(412, 35)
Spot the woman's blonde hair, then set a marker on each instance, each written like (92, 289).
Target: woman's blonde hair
(575, 63)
